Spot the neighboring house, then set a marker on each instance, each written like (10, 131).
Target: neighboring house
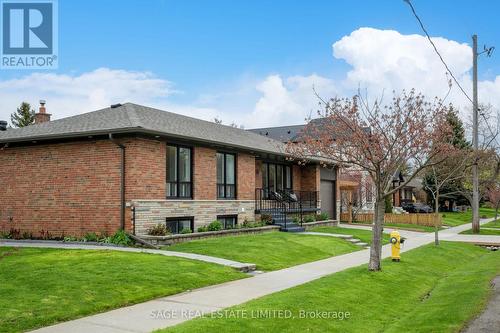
(133, 167)
(411, 192)
(357, 190)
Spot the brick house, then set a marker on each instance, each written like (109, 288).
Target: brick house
(133, 167)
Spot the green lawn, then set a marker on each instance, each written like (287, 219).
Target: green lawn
(492, 224)
(269, 251)
(363, 235)
(455, 219)
(486, 232)
(433, 289)
(40, 287)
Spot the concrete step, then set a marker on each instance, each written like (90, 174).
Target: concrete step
(293, 229)
(361, 244)
(354, 240)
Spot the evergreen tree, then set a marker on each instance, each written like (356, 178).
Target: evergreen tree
(458, 138)
(24, 116)
(451, 189)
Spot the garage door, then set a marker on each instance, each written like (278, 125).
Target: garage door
(327, 196)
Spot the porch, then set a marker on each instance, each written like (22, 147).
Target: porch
(286, 208)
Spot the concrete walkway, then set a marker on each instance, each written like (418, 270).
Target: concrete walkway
(489, 320)
(244, 267)
(325, 234)
(172, 310)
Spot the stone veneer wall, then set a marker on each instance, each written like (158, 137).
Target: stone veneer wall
(149, 213)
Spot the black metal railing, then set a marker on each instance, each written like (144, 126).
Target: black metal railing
(283, 203)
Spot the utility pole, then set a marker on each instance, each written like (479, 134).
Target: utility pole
(475, 139)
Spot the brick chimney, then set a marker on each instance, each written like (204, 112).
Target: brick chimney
(42, 116)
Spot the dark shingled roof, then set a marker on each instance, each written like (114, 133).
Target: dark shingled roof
(133, 118)
(280, 133)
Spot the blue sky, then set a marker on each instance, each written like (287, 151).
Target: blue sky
(214, 48)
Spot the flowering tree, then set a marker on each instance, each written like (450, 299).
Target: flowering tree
(493, 194)
(377, 138)
(440, 178)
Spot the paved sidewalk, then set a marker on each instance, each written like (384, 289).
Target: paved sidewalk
(172, 310)
(245, 267)
(489, 320)
(325, 234)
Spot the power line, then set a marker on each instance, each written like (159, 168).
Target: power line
(435, 49)
(488, 52)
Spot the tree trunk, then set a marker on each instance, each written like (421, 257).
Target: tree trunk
(436, 212)
(496, 210)
(378, 225)
(475, 216)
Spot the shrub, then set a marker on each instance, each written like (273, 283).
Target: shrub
(266, 219)
(186, 231)
(309, 218)
(215, 226)
(27, 235)
(90, 237)
(388, 205)
(121, 238)
(158, 230)
(45, 234)
(70, 239)
(251, 224)
(322, 217)
(203, 228)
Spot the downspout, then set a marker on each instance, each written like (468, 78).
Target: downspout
(122, 181)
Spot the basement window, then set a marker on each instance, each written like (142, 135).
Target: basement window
(177, 224)
(228, 221)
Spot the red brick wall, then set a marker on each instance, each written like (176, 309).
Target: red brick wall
(145, 169)
(71, 188)
(296, 177)
(258, 174)
(74, 188)
(205, 173)
(310, 178)
(246, 177)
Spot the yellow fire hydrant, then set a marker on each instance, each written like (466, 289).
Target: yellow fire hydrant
(396, 241)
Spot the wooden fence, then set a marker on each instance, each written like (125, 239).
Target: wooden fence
(417, 219)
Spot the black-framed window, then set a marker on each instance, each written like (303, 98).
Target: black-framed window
(177, 224)
(179, 172)
(228, 221)
(226, 175)
(276, 177)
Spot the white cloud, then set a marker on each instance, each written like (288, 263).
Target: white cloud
(68, 95)
(380, 60)
(386, 60)
(288, 101)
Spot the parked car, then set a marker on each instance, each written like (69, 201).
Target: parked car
(412, 207)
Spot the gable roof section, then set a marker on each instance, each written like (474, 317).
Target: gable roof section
(280, 133)
(133, 118)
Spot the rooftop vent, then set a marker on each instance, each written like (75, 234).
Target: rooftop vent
(114, 106)
(3, 125)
